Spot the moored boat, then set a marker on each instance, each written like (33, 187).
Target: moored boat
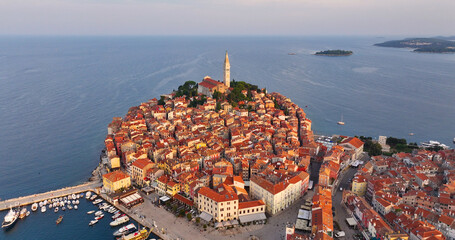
(93, 222)
(98, 213)
(90, 212)
(99, 217)
(56, 209)
(43, 209)
(88, 194)
(10, 218)
(34, 206)
(125, 230)
(75, 207)
(138, 235)
(23, 213)
(120, 220)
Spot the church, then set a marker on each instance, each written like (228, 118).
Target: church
(208, 85)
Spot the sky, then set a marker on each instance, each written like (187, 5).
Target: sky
(227, 17)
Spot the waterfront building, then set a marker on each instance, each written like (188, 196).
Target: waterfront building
(221, 204)
(354, 144)
(278, 189)
(139, 170)
(116, 180)
(208, 86)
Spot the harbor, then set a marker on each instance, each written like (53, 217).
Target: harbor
(28, 200)
(80, 210)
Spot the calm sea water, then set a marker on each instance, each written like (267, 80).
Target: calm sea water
(57, 95)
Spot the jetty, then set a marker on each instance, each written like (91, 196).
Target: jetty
(27, 200)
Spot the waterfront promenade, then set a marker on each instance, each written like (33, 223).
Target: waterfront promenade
(27, 200)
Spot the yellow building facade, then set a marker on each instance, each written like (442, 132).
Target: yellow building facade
(116, 180)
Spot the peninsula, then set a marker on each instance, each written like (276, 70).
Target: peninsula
(428, 45)
(334, 53)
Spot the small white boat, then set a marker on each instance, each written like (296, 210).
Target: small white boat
(63, 208)
(41, 204)
(56, 209)
(73, 196)
(45, 202)
(27, 214)
(77, 201)
(93, 197)
(90, 212)
(120, 220)
(88, 194)
(75, 207)
(98, 213)
(69, 207)
(23, 213)
(50, 206)
(73, 202)
(97, 201)
(43, 209)
(93, 222)
(34, 206)
(99, 217)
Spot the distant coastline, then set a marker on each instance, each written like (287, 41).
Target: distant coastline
(334, 53)
(423, 45)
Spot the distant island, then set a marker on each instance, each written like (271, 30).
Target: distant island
(334, 53)
(428, 45)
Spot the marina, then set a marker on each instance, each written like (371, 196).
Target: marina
(72, 201)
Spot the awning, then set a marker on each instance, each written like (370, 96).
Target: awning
(302, 225)
(351, 221)
(304, 214)
(206, 216)
(164, 198)
(252, 217)
(226, 224)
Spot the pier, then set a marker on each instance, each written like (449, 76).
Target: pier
(27, 200)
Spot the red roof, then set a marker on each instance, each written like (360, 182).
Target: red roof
(353, 141)
(115, 176)
(249, 204)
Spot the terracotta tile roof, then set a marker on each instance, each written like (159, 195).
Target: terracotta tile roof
(353, 141)
(249, 204)
(227, 194)
(115, 176)
(142, 163)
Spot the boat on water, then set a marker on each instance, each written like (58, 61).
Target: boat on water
(23, 213)
(99, 217)
(88, 194)
(454, 140)
(138, 235)
(43, 209)
(27, 214)
(34, 206)
(93, 222)
(119, 215)
(10, 218)
(59, 220)
(341, 122)
(98, 213)
(93, 197)
(411, 134)
(56, 209)
(97, 201)
(90, 212)
(120, 220)
(125, 230)
(75, 207)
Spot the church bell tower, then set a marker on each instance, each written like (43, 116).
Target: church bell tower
(227, 71)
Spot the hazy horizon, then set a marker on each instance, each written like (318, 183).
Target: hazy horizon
(226, 18)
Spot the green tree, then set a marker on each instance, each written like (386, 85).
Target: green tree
(189, 216)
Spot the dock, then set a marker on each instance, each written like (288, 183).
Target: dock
(27, 200)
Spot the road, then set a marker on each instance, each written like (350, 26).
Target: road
(340, 211)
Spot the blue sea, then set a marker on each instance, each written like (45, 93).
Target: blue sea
(57, 95)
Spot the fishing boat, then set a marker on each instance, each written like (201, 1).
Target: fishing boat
(59, 220)
(125, 230)
(341, 122)
(23, 213)
(93, 222)
(90, 212)
(10, 218)
(120, 220)
(34, 206)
